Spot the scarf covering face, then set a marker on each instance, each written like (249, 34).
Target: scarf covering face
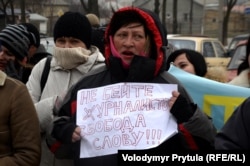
(69, 58)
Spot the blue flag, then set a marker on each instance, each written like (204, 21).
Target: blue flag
(216, 99)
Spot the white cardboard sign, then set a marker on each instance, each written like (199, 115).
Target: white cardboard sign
(124, 116)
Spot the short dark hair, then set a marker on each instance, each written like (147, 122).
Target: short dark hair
(194, 57)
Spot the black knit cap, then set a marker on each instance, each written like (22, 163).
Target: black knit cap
(16, 39)
(73, 24)
(35, 34)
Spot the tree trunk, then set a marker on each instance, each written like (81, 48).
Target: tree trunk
(225, 30)
(13, 20)
(220, 20)
(92, 7)
(191, 17)
(230, 5)
(23, 15)
(175, 26)
(157, 10)
(164, 5)
(84, 6)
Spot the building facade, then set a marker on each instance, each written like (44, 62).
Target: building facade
(202, 20)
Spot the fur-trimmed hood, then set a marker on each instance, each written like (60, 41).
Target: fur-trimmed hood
(152, 26)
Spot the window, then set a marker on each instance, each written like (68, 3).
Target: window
(178, 43)
(185, 16)
(219, 49)
(208, 50)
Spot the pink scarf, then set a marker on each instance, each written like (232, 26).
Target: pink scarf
(116, 54)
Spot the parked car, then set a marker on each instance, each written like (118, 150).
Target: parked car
(234, 42)
(211, 48)
(236, 59)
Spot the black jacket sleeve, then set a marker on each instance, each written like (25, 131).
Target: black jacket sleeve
(64, 122)
(235, 134)
(196, 122)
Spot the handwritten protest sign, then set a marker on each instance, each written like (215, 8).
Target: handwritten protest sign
(124, 116)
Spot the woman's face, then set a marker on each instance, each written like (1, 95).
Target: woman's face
(5, 57)
(130, 40)
(183, 63)
(69, 42)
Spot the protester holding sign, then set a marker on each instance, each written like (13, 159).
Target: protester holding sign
(134, 54)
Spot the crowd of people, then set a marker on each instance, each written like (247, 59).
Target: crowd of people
(38, 125)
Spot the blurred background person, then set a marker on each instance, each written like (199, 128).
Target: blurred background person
(243, 73)
(189, 60)
(94, 20)
(36, 51)
(19, 125)
(97, 38)
(195, 63)
(73, 57)
(15, 43)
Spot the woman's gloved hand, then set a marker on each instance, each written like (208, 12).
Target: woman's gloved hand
(180, 108)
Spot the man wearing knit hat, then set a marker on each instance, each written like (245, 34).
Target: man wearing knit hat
(73, 57)
(34, 38)
(15, 43)
(36, 51)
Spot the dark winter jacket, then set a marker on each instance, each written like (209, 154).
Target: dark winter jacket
(40, 54)
(142, 70)
(235, 134)
(19, 125)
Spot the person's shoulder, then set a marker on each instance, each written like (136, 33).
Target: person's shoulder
(41, 62)
(92, 78)
(96, 72)
(6, 80)
(39, 56)
(3, 77)
(14, 83)
(38, 67)
(169, 77)
(246, 103)
(243, 110)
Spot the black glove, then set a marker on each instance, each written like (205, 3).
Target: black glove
(182, 110)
